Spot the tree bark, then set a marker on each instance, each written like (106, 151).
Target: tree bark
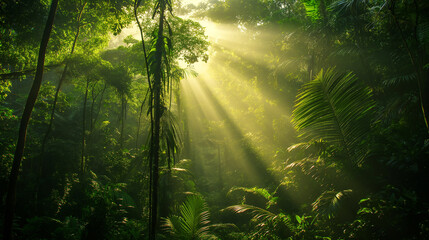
(82, 157)
(100, 103)
(123, 116)
(31, 100)
(157, 109)
(62, 78)
(136, 5)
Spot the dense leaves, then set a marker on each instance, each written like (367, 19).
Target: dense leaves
(337, 109)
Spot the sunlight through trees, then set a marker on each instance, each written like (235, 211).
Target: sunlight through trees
(214, 119)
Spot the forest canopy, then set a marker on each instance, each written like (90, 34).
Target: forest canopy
(214, 119)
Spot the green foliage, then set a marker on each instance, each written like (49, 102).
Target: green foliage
(390, 213)
(337, 109)
(193, 221)
(38, 228)
(312, 9)
(270, 199)
(267, 225)
(329, 202)
(190, 42)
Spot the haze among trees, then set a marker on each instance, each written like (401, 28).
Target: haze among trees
(214, 119)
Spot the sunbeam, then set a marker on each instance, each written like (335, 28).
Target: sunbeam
(227, 96)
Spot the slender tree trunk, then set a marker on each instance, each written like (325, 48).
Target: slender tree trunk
(140, 120)
(136, 5)
(19, 151)
(91, 112)
(100, 103)
(417, 67)
(157, 109)
(123, 113)
(322, 11)
(61, 81)
(187, 151)
(82, 158)
(219, 166)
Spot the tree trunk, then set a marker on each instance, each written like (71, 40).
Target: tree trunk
(136, 5)
(63, 74)
(421, 80)
(91, 112)
(157, 108)
(31, 100)
(123, 114)
(100, 103)
(82, 158)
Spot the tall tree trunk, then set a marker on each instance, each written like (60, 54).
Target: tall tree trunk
(123, 116)
(140, 120)
(61, 81)
(421, 79)
(31, 100)
(136, 6)
(322, 11)
(187, 151)
(219, 166)
(100, 104)
(91, 112)
(157, 109)
(82, 157)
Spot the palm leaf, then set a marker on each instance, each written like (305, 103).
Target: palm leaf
(348, 7)
(256, 212)
(396, 80)
(193, 222)
(257, 191)
(423, 32)
(268, 223)
(194, 213)
(328, 203)
(335, 108)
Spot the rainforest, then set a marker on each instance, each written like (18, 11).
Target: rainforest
(214, 119)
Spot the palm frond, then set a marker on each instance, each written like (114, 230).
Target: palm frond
(257, 191)
(193, 222)
(308, 149)
(348, 7)
(256, 212)
(194, 213)
(423, 32)
(348, 50)
(328, 203)
(170, 135)
(406, 78)
(267, 223)
(335, 108)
